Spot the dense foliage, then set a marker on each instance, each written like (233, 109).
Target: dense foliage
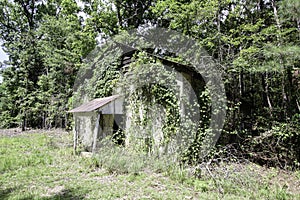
(256, 42)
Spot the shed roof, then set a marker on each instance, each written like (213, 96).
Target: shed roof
(94, 104)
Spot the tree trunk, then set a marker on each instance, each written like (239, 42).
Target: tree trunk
(266, 88)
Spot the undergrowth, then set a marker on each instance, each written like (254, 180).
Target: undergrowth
(226, 176)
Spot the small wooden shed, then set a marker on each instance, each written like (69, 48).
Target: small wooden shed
(95, 120)
(99, 118)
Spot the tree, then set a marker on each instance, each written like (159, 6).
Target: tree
(46, 42)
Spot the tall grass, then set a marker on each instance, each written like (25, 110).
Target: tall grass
(122, 160)
(225, 179)
(42, 166)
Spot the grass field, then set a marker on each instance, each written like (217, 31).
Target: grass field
(42, 166)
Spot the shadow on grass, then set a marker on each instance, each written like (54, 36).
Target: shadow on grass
(5, 193)
(64, 194)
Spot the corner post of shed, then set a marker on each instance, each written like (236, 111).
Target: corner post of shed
(96, 131)
(75, 134)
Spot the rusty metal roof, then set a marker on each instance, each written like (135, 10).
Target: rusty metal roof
(94, 104)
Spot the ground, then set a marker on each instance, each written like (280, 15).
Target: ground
(41, 165)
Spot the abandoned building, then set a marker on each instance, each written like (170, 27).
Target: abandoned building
(96, 119)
